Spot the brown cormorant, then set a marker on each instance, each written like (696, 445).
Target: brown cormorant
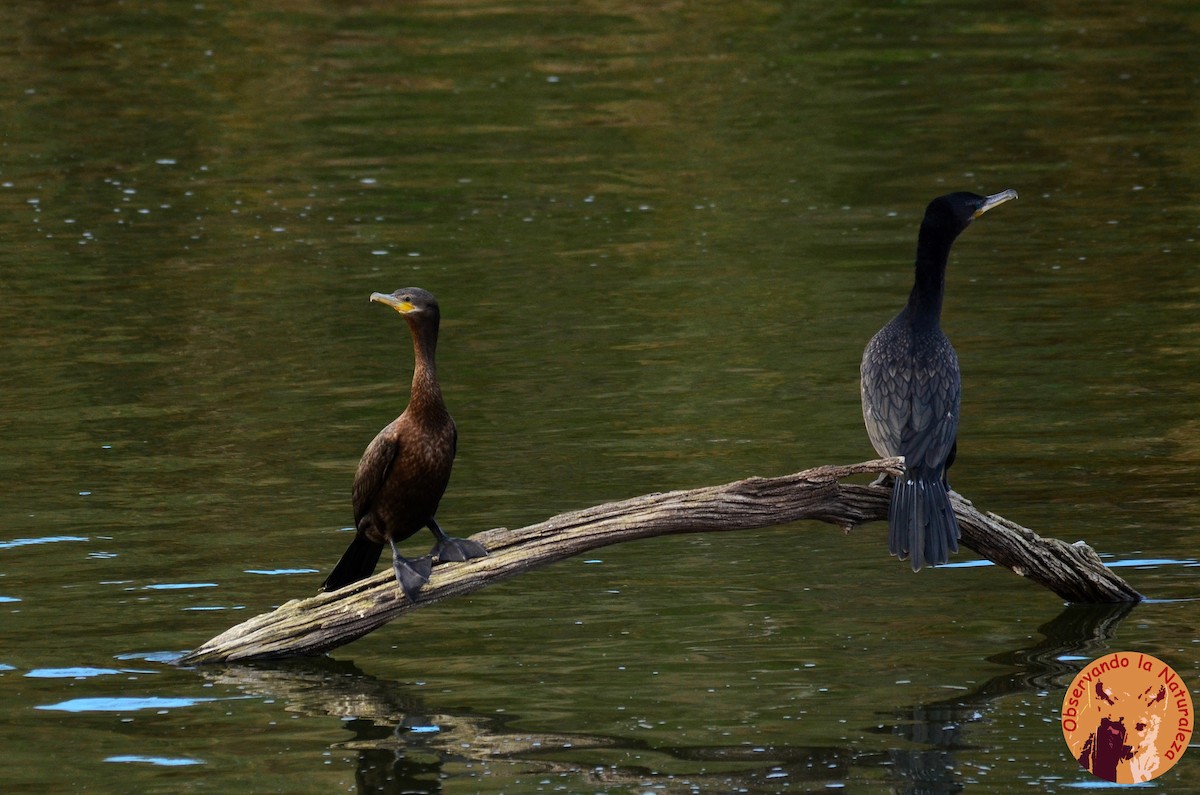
(911, 390)
(404, 470)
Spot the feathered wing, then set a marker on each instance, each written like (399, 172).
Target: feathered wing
(886, 387)
(911, 396)
(933, 406)
(373, 470)
(922, 524)
(360, 558)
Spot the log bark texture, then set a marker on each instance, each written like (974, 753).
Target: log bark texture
(311, 626)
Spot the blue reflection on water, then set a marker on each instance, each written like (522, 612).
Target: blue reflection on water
(1112, 564)
(70, 673)
(425, 729)
(27, 542)
(282, 571)
(1098, 784)
(1117, 564)
(122, 704)
(163, 761)
(178, 586)
(151, 656)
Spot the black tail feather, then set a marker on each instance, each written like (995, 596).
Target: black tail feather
(357, 563)
(921, 520)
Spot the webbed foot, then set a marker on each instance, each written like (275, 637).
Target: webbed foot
(449, 549)
(411, 574)
(457, 549)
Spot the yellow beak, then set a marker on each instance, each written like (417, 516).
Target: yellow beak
(400, 305)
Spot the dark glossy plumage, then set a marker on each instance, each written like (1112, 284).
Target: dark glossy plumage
(404, 471)
(911, 390)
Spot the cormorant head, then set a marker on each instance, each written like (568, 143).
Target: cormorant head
(952, 213)
(409, 301)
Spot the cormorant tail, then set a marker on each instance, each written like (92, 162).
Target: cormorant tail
(357, 563)
(921, 520)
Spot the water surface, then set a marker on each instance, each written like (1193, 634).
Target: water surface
(660, 237)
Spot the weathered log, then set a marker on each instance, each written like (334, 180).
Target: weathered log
(317, 624)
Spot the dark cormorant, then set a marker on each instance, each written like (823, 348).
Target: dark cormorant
(404, 470)
(911, 390)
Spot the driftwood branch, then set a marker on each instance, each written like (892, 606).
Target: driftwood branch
(311, 626)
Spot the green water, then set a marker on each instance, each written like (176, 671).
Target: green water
(660, 235)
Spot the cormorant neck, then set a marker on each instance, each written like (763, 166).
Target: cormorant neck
(925, 300)
(426, 391)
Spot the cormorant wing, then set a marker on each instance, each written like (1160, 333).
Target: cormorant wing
(373, 469)
(886, 400)
(935, 395)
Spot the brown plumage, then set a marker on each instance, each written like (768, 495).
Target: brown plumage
(404, 471)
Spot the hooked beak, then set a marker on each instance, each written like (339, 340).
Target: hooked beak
(399, 304)
(994, 200)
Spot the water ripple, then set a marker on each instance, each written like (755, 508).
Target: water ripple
(282, 571)
(28, 542)
(152, 656)
(126, 704)
(1149, 562)
(163, 761)
(81, 672)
